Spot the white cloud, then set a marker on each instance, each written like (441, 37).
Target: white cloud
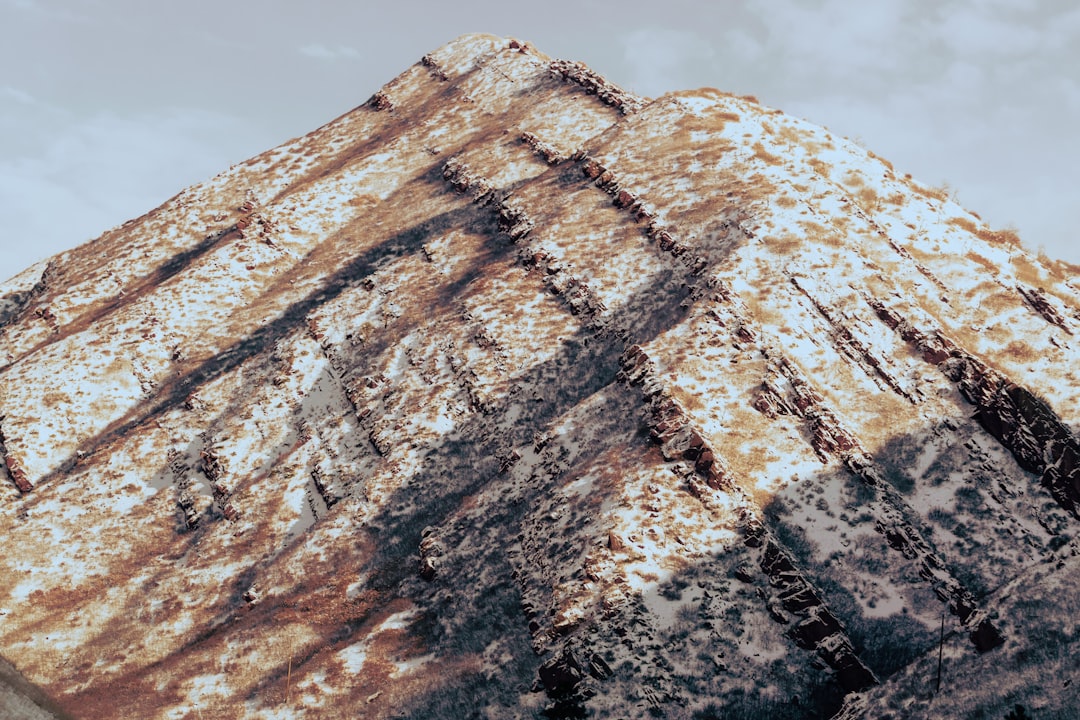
(50, 11)
(841, 39)
(19, 96)
(654, 56)
(327, 52)
(103, 171)
(984, 36)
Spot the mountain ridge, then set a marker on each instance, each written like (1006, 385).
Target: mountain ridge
(510, 380)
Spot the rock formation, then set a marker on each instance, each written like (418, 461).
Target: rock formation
(511, 394)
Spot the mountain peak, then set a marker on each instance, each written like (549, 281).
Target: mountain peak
(513, 393)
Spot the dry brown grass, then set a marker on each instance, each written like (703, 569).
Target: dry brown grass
(1007, 236)
(1043, 275)
(786, 201)
(868, 199)
(922, 255)
(882, 160)
(1020, 351)
(1028, 272)
(941, 194)
(840, 223)
(884, 424)
(821, 234)
(790, 134)
(365, 202)
(1058, 269)
(821, 167)
(999, 302)
(762, 154)
(786, 244)
(853, 179)
(985, 262)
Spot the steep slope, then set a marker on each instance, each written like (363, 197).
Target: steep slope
(511, 394)
(20, 700)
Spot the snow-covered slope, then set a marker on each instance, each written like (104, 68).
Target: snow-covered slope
(512, 394)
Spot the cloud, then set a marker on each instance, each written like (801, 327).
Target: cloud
(105, 170)
(51, 12)
(19, 96)
(654, 55)
(326, 52)
(986, 33)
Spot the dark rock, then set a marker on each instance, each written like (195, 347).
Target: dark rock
(986, 637)
(561, 674)
(598, 668)
(817, 626)
(744, 573)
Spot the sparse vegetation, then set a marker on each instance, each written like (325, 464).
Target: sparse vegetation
(989, 265)
(941, 193)
(762, 154)
(1018, 713)
(1007, 236)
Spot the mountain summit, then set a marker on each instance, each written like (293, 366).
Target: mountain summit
(512, 394)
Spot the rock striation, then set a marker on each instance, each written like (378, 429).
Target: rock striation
(513, 394)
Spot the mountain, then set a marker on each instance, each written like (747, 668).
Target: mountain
(511, 394)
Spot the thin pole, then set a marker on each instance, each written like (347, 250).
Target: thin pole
(288, 681)
(941, 646)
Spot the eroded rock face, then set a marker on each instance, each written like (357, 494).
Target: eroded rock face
(512, 393)
(1024, 424)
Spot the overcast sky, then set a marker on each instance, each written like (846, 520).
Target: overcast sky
(109, 107)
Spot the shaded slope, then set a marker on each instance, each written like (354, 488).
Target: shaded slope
(20, 700)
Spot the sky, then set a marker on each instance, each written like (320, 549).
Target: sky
(110, 107)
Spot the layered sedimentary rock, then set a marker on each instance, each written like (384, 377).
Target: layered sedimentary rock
(513, 394)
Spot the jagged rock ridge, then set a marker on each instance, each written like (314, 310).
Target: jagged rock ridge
(512, 394)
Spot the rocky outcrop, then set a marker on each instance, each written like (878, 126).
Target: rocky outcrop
(381, 101)
(14, 304)
(786, 391)
(465, 180)
(1037, 298)
(434, 68)
(670, 426)
(595, 84)
(1023, 423)
(845, 340)
(892, 522)
(816, 627)
(550, 153)
(12, 467)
